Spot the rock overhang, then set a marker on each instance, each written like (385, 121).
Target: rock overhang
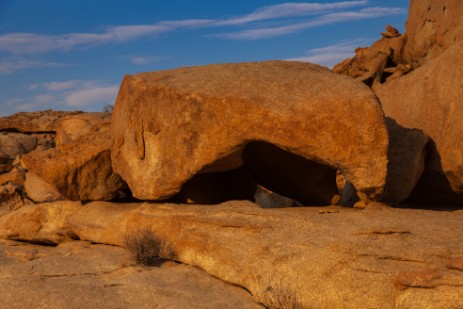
(169, 125)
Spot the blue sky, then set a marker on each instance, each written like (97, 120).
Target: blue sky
(72, 55)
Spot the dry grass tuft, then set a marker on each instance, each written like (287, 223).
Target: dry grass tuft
(279, 299)
(277, 296)
(145, 248)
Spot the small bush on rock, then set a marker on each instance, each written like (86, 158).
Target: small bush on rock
(145, 247)
(276, 296)
(279, 299)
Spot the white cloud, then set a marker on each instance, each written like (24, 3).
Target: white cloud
(60, 86)
(332, 54)
(139, 60)
(34, 86)
(94, 95)
(89, 95)
(10, 65)
(326, 19)
(30, 43)
(24, 107)
(44, 98)
(143, 60)
(291, 10)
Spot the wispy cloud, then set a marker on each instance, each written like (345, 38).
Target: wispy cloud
(10, 65)
(67, 95)
(286, 15)
(90, 96)
(290, 10)
(327, 19)
(332, 54)
(143, 60)
(56, 86)
(30, 43)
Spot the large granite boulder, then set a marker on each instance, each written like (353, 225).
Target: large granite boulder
(431, 99)
(171, 125)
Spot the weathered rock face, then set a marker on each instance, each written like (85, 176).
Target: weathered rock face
(432, 27)
(64, 155)
(39, 191)
(71, 128)
(80, 170)
(22, 133)
(431, 99)
(380, 62)
(326, 257)
(13, 144)
(170, 125)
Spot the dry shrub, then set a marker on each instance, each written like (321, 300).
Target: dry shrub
(145, 247)
(279, 299)
(277, 296)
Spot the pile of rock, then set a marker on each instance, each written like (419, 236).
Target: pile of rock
(429, 98)
(208, 135)
(51, 156)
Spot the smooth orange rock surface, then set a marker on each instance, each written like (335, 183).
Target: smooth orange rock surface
(322, 257)
(170, 125)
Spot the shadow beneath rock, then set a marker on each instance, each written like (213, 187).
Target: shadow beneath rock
(415, 177)
(290, 175)
(433, 188)
(218, 187)
(406, 161)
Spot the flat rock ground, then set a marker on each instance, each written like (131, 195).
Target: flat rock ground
(80, 274)
(314, 257)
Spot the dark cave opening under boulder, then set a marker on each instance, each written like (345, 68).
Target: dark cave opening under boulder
(266, 169)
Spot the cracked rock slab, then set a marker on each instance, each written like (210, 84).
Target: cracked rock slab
(323, 257)
(80, 274)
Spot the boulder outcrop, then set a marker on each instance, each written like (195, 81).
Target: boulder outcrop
(171, 125)
(23, 132)
(380, 62)
(60, 155)
(431, 99)
(318, 257)
(42, 121)
(79, 170)
(432, 27)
